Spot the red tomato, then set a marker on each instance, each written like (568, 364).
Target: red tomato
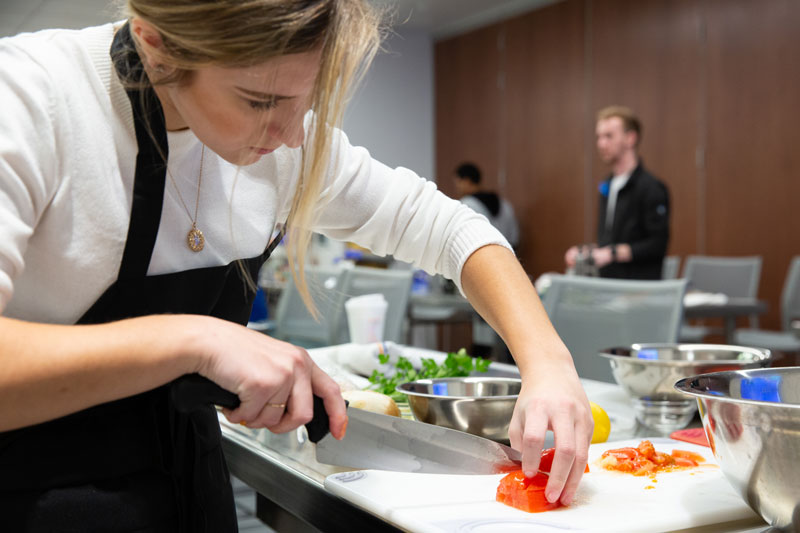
(647, 449)
(682, 461)
(645, 460)
(687, 458)
(546, 462)
(526, 494)
(622, 454)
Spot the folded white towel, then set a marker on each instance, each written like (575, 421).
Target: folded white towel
(696, 298)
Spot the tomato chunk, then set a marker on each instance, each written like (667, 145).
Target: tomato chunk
(526, 494)
(546, 462)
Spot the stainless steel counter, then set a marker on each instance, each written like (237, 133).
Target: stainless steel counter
(290, 482)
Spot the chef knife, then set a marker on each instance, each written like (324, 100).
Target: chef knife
(376, 441)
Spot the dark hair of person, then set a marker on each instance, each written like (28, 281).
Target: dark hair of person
(469, 171)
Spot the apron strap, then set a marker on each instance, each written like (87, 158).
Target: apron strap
(151, 166)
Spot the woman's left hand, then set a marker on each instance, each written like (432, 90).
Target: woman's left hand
(552, 398)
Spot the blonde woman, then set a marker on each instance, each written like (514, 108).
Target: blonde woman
(143, 168)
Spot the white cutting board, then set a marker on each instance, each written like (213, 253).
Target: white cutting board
(606, 501)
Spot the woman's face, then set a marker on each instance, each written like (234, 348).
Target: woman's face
(245, 113)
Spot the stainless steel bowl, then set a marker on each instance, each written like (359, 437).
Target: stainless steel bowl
(752, 420)
(648, 372)
(479, 405)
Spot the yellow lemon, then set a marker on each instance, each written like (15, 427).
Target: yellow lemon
(602, 425)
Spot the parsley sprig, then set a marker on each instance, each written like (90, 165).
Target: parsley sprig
(457, 364)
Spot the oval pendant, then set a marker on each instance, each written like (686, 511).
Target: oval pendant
(195, 239)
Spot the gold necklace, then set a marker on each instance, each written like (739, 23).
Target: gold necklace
(194, 238)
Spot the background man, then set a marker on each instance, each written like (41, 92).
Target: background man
(633, 213)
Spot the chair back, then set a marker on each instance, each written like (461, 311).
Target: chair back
(294, 323)
(671, 266)
(734, 276)
(593, 314)
(790, 295)
(395, 285)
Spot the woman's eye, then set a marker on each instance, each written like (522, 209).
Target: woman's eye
(262, 104)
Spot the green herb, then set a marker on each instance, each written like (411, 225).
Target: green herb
(458, 364)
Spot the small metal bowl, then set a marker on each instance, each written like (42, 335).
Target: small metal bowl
(648, 372)
(479, 405)
(752, 420)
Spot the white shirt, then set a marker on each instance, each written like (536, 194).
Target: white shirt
(617, 183)
(67, 162)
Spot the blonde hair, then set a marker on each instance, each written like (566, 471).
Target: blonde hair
(630, 122)
(241, 33)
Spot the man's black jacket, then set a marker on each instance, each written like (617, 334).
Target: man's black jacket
(641, 219)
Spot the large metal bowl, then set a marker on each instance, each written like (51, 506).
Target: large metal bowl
(479, 405)
(752, 420)
(648, 372)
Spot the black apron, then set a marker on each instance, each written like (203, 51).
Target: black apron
(135, 464)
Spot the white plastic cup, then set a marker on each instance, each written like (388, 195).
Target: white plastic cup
(366, 316)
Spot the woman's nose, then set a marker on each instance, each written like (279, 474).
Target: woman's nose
(291, 133)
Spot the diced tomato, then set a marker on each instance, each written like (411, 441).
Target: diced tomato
(662, 459)
(526, 494)
(622, 454)
(682, 461)
(546, 462)
(685, 454)
(645, 460)
(647, 449)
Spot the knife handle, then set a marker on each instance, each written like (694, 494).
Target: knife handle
(193, 391)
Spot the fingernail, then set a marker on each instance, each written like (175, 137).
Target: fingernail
(242, 423)
(344, 427)
(529, 473)
(566, 499)
(552, 496)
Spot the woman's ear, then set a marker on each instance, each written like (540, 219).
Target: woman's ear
(150, 44)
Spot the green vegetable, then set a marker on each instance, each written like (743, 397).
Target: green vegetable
(458, 364)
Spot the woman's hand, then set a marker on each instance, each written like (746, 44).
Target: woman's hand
(275, 381)
(552, 398)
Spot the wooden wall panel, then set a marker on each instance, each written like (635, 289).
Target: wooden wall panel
(544, 95)
(645, 54)
(715, 82)
(467, 105)
(753, 189)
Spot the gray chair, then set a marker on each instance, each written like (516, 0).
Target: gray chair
(591, 314)
(294, 323)
(671, 267)
(784, 340)
(395, 285)
(736, 277)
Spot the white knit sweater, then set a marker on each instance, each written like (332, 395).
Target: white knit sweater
(67, 162)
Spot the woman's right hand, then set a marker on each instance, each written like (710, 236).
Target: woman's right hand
(266, 374)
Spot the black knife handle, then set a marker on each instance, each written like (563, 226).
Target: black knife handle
(193, 391)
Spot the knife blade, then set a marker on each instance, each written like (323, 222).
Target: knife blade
(374, 441)
(381, 442)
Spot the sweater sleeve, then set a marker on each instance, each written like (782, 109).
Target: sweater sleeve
(28, 159)
(396, 212)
